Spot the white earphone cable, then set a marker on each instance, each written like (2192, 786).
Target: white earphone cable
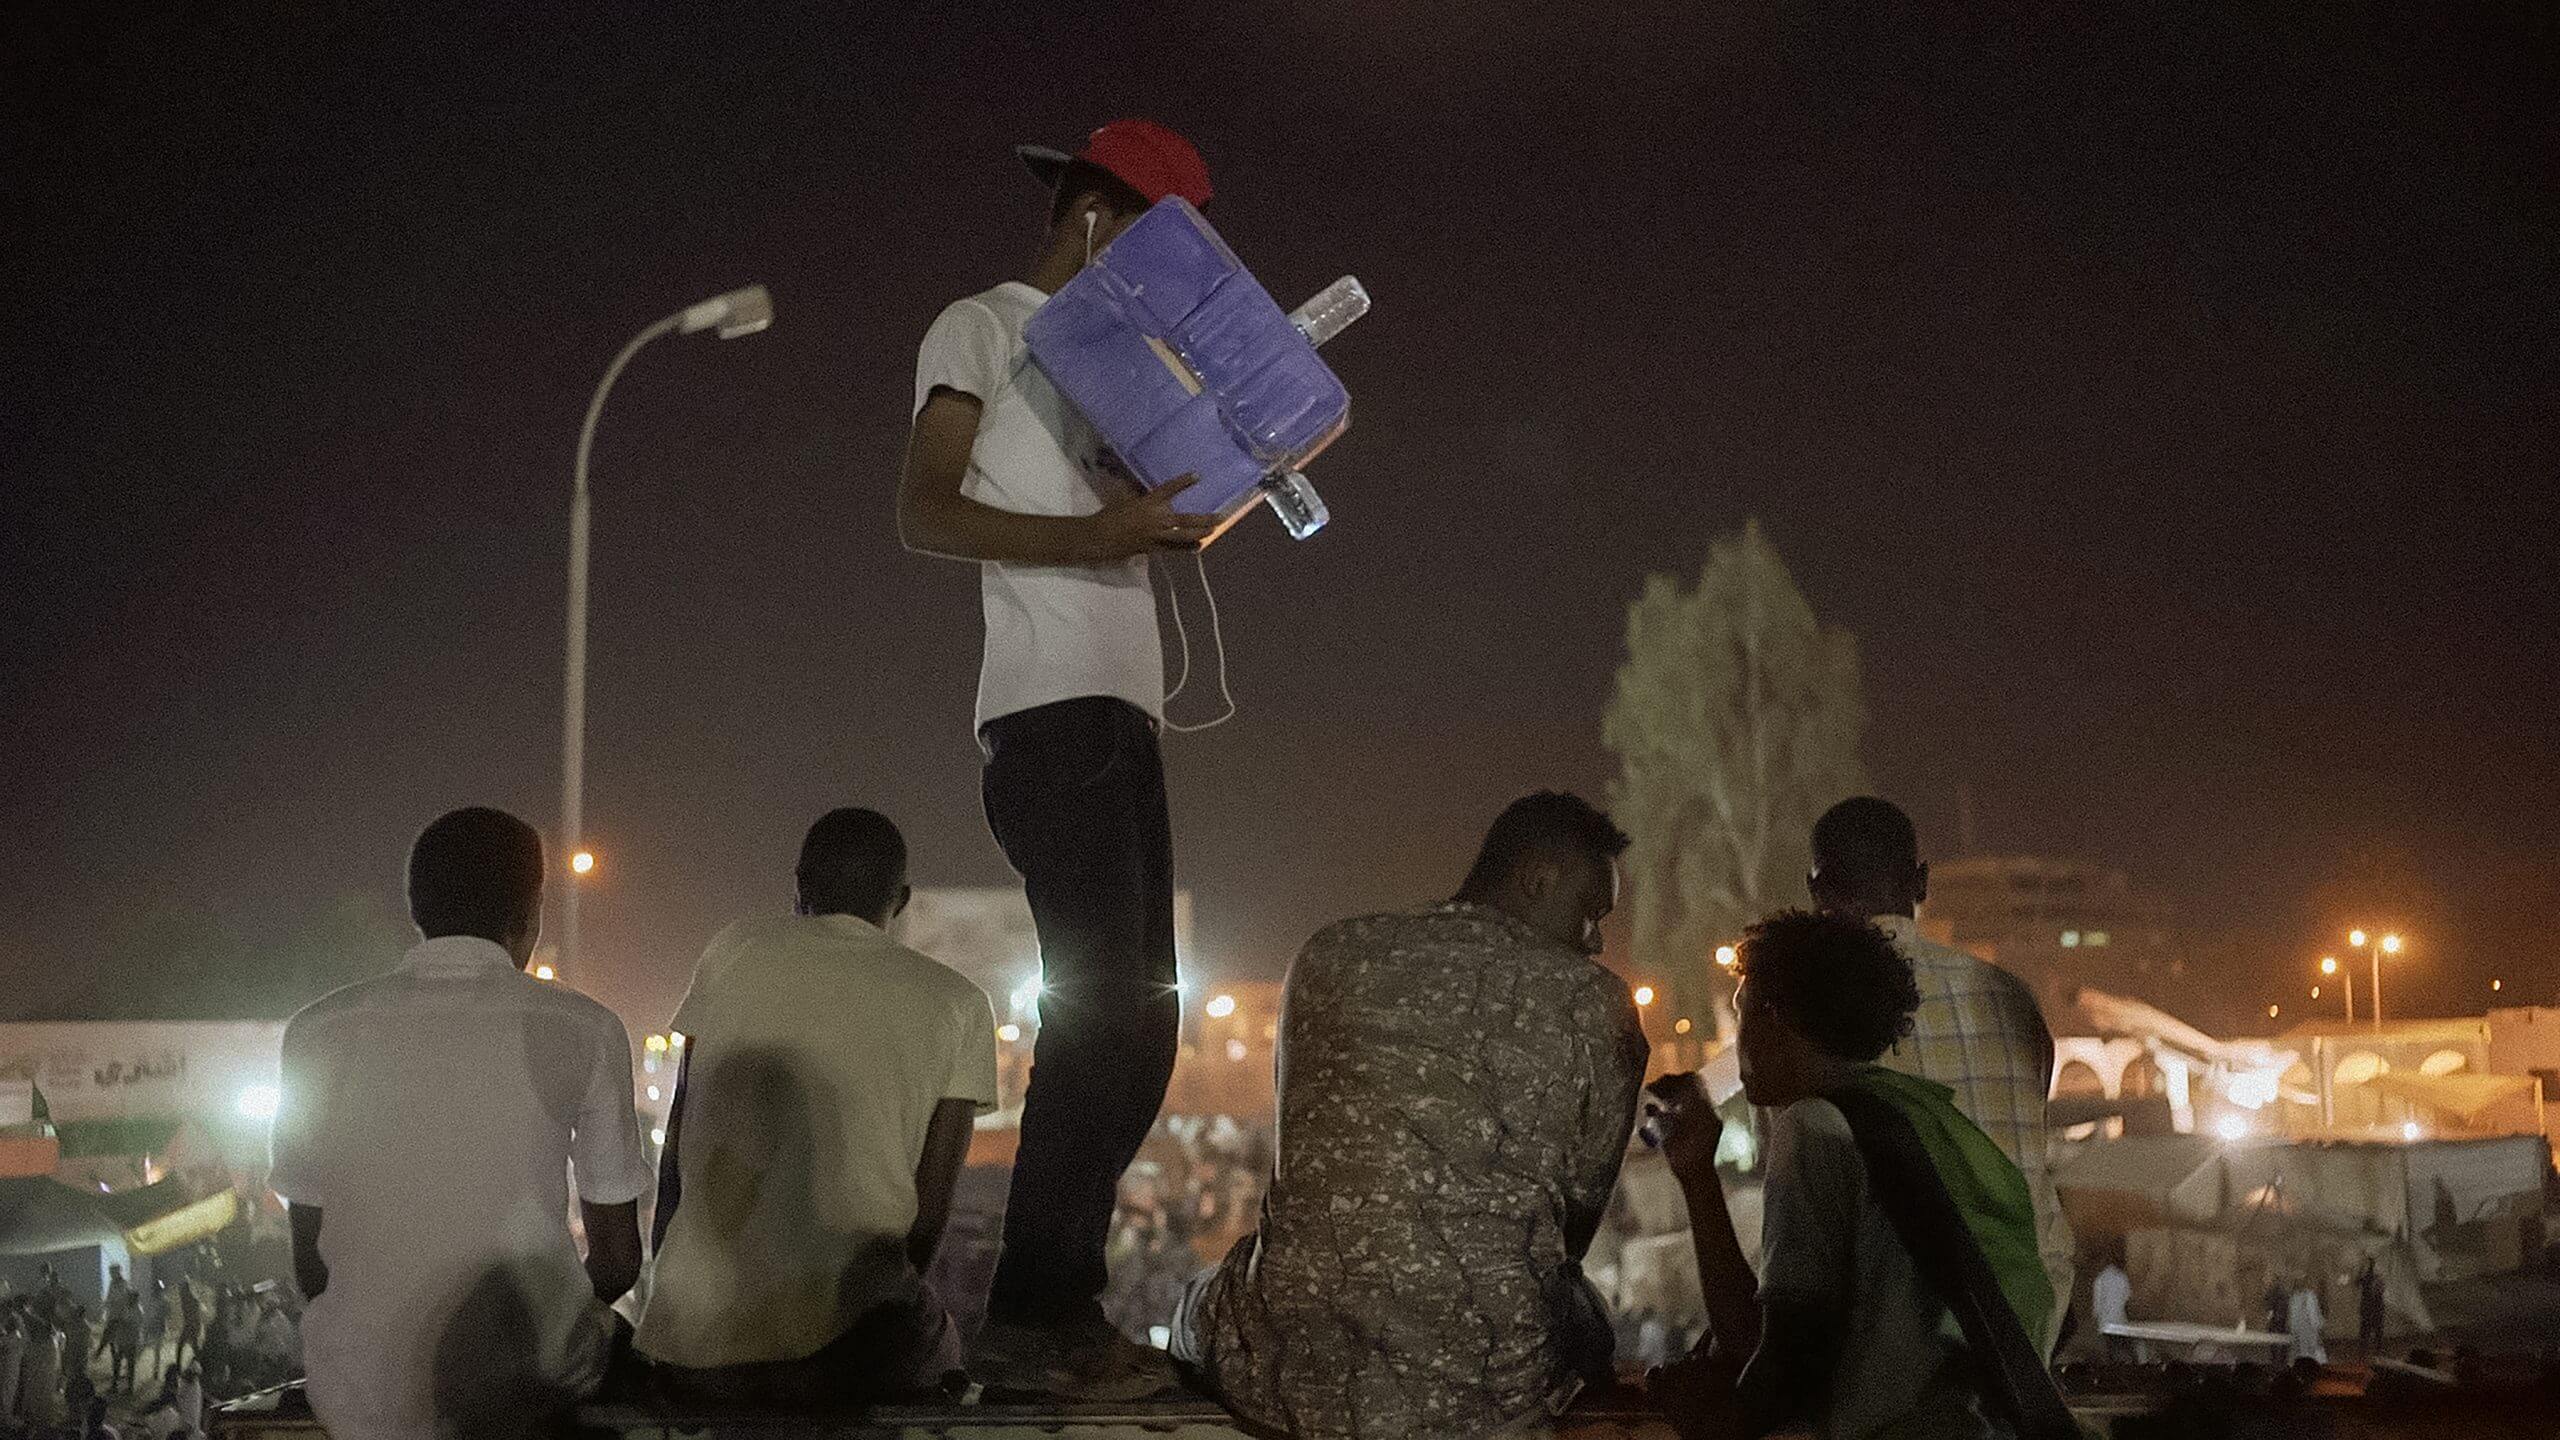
(1218, 642)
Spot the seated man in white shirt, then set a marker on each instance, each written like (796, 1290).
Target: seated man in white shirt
(822, 1111)
(429, 1122)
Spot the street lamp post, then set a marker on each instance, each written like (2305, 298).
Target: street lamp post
(2376, 947)
(2329, 966)
(739, 312)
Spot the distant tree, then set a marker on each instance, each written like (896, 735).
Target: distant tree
(1736, 721)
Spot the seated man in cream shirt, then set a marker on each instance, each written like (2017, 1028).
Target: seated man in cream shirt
(822, 1111)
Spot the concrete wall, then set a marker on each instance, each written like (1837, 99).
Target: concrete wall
(115, 1070)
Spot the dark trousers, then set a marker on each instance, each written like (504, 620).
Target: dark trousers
(1075, 795)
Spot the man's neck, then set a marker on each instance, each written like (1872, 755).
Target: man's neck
(1879, 907)
(1834, 1073)
(875, 922)
(1055, 269)
(1499, 904)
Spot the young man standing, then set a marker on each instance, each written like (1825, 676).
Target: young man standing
(430, 1120)
(1001, 471)
(822, 1111)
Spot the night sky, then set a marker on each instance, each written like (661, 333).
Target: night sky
(2164, 397)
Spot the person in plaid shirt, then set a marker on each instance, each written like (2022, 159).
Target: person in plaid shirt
(1978, 1031)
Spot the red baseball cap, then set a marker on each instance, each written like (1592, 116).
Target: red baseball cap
(1141, 154)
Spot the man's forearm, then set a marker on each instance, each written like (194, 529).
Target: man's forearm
(613, 1247)
(946, 1149)
(310, 1272)
(956, 527)
(670, 1166)
(1725, 1277)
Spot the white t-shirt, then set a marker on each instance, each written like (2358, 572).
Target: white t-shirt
(1826, 1244)
(1054, 632)
(433, 1115)
(816, 1051)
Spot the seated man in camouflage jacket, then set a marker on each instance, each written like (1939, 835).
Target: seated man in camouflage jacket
(1457, 1085)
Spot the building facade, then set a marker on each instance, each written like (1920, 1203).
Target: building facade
(2057, 924)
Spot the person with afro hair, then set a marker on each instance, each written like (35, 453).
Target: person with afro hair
(1853, 1328)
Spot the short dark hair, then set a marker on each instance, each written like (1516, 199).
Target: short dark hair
(1839, 981)
(1864, 841)
(1542, 826)
(854, 862)
(1083, 177)
(476, 871)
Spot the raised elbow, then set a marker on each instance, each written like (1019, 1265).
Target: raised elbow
(920, 524)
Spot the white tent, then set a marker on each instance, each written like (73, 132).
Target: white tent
(44, 1222)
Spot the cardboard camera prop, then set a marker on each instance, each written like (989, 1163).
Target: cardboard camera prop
(1184, 365)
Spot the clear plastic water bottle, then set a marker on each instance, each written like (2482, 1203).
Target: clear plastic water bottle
(1331, 311)
(1296, 503)
(1324, 316)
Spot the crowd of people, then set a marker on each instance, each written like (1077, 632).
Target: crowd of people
(166, 1346)
(1458, 1081)
(1458, 1084)
(1181, 1205)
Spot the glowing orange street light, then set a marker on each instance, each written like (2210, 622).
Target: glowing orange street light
(1644, 995)
(583, 861)
(1725, 956)
(2329, 966)
(1680, 1026)
(545, 972)
(2375, 950)
(2273, 1011)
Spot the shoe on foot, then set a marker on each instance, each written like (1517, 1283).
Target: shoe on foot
(1080, 1357)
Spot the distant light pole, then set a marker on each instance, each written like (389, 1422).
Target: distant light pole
(2377, 947)
(2329, 966)
(739, 312)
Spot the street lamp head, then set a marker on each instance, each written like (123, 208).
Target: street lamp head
(2390, 944)
(1644, 995)
(1726, 955)
(582, 862)
(740, 312)
(2356, 938)
(2328, 964)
